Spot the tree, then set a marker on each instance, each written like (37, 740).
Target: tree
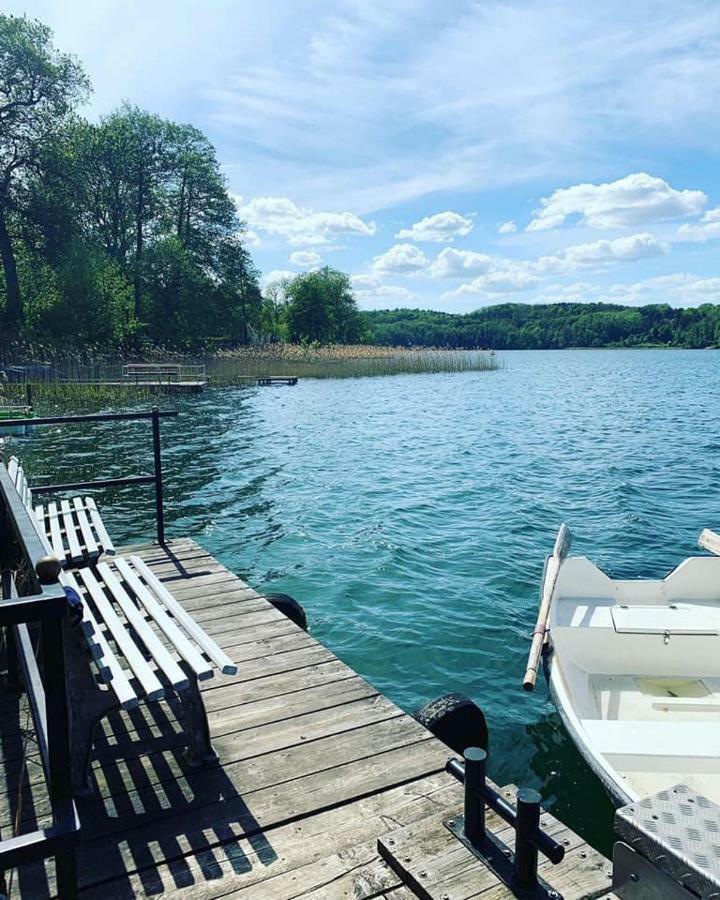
(38, 89)
(321, 307)
(274, 309)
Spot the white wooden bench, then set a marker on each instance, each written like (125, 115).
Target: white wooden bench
(132, 642)
(73, 527)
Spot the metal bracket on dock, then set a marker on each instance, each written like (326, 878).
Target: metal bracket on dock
(501, 861)
(517, 870)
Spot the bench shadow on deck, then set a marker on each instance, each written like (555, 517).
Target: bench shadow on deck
(315, 765)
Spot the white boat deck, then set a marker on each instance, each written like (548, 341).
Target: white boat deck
(636, 674)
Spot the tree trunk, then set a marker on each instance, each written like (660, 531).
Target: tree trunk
(139, 241)
(13, 304)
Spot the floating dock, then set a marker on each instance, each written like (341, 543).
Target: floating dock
(325, 788)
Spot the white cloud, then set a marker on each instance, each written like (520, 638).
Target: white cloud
(510, 280)
(277, 275)
(251, 238)
(300, 226)
(634, 200)
(679, 289)
(401, 258)
(451, 263)
(305, 258)
(441, 228)
(508, 227)
(623, 249)
(508, 276)
(709, 227)
(371, 292)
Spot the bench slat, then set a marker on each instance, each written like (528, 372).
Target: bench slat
(96, 643)
(172, 632)
(99, 526)
(159, 652)
(91, 546)
(55, 535)
(218, 656)
(75, 552)
(139, 665)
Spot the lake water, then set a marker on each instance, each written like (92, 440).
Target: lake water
(411, 514)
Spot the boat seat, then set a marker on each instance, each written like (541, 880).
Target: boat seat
(619, 737)
(73, 527)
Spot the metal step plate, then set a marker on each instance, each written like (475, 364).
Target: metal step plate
(677, 830)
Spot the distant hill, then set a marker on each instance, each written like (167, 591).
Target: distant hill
(524, 326)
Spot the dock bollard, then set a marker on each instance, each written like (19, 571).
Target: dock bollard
(527, 824)
(475, 763)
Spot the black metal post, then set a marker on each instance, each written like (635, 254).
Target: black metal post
(158, 477)
(526, 827)
(475, 763)
(28, 394)
(58, 739)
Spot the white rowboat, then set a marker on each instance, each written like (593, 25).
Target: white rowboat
(634, 669)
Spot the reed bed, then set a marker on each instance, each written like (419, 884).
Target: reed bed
(356, 361)
(70, 378)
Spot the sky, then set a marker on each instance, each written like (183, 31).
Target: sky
(448, 154)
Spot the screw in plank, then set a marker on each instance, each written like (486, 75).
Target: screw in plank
(423, 874)
(391, 841)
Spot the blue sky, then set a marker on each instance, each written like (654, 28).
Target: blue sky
(449, 154)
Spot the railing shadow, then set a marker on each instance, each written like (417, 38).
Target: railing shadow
(151, 808)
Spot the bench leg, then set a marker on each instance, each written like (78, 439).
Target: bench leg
(200, 751)
(87, 705)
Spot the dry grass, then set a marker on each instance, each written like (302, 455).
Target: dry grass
(75, 378)
(346, 361)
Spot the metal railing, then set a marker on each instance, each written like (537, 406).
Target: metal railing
(156, 478)
(43, 605)
(164, 371)
(524, 818)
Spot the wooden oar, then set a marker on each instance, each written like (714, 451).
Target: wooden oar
(709, 540)
(560, 551)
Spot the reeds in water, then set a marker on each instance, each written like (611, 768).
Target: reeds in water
(354, 361)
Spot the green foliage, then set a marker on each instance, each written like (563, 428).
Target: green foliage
(321, 307)
(115, 233)
(516, 326)
(38, 89)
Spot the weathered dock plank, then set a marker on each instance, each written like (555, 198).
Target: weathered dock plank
(316, 765)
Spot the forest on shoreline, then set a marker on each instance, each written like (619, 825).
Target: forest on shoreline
(526, 326)
(121, 236)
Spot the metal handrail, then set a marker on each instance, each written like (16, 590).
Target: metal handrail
(182, 371)
(155, 478)
(46, 606)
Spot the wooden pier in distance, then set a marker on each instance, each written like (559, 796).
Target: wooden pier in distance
(325, 789)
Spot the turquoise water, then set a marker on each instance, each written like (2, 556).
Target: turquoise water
(411, 514)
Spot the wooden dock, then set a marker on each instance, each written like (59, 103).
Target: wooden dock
(321, 781)
(155, 386)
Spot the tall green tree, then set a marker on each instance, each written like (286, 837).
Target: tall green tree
(321, 307)
(39, 87)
